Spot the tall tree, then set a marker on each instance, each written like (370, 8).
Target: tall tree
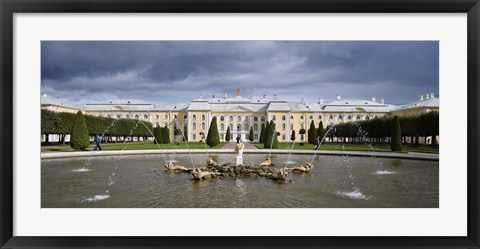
(228, 136)
(79, 136)
(312, 133)
(262, 134)
(251, 136)
(320, 130)
(213, 138)
(292, 137)
(166, 135)
(396, 135)
(270, 135)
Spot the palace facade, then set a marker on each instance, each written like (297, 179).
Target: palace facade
(240, 113)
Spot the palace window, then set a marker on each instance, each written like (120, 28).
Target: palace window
(340, 117)
(349, 117)
(311, 116)
(194, 117)
(255, 118)
(301, 117)
(175, 116)
(274, 117)
(246, 118)
(256, 136)
(283, 137)
(165, 124)
(255, 127)
(239, 118)
(319, 116)
(283, 117)
(367, 117)
(185, 116)
(230, 119)
(291, 126)
(358, 117)
(194, 136)
(203, 117)
(157, 124)
(283, 126)
(238, 127)
(231, 127)
(375, 116)
(330, 117)
(203, 126)
(246, 127)
(109, 116)
(136, 116)
(301, 126)
(145, 116)
(263, 118)
(194, 126)
(291, 116)
(222, 127)
(119, 116)
(222, 118)
(157, 116)
(165, 116)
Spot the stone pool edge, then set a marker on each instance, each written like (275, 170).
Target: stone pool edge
(416, 156)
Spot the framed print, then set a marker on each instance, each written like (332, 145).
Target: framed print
(239, 124)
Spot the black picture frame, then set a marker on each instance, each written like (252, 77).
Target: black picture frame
(10, 7)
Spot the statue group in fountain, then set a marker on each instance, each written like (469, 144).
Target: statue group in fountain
(239, 169)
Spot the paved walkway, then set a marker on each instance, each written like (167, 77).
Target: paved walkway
(248, 146)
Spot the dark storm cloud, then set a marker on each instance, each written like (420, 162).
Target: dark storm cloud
(182, 70)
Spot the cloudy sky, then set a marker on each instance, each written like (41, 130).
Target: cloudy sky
(174, 71)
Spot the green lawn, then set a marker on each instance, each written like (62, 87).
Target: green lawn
(352, 147)
(134, 146)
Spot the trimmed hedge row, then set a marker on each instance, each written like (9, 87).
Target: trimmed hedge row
(380, 129)
(61, 123)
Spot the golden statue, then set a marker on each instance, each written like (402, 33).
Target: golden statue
(238, 91)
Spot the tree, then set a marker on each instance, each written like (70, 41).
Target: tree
(312, 133)
(275, 139)
(166, 135)
(158, 135)
(251, 136)
(321, 130)
(213, 138)
(270, 135)
(396, 136)
(292, 137)
(79, 135)
(228, 135)
(185, 133)
(262, 134)
(302, 133)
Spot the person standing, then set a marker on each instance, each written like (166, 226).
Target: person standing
(238, 139)
(97, 140)
(317, 143)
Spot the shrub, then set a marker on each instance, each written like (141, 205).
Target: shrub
(396, 136)
(312, 133)
(79, 135)
(251, 136)
(213, 138)
(228, 136)
(292, 137)
(165, 135)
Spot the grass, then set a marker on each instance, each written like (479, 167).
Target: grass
(284, 146)
(354, 147)
(134, 146)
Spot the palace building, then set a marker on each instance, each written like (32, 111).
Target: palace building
(240, 113)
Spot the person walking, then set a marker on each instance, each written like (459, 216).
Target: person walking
(317, 143)
(238, 139)
(97, 140)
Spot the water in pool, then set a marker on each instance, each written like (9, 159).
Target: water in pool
(334, 182)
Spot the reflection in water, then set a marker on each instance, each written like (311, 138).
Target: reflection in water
(141, 182)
